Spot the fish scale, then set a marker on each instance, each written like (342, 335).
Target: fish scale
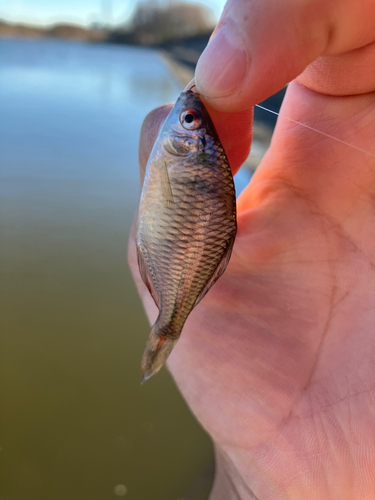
(186, 222)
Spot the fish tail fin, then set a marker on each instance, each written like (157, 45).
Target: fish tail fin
(158, 348)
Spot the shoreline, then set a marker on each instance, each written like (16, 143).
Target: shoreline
(182, 68)
(182, 73)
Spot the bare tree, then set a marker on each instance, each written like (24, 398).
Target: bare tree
(155, 21)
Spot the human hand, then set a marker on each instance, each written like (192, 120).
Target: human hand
(277, 361)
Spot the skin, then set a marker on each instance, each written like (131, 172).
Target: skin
(278, 360)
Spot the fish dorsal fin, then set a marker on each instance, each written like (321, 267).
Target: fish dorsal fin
(218, 271)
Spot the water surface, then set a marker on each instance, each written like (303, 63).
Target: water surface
(74, 421)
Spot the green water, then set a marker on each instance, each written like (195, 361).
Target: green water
(75, 424)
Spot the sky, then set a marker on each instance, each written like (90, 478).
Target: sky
(84, 12)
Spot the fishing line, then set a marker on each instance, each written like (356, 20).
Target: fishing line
(316, 130)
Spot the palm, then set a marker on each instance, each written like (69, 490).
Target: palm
(277, 362)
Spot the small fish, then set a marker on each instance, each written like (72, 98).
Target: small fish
(186, 222)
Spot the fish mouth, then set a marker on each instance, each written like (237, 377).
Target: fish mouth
(191, 96)
(191, 90)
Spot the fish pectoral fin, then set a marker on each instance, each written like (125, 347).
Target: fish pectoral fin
(218, 271)
(166, 187)
(146, 275)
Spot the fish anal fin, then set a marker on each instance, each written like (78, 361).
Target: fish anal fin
(145, 275)
(218, 272)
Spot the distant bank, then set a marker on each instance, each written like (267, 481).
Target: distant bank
(185, 50)
(67, 31)
(181, 54)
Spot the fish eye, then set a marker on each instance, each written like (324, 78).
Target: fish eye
(190, 119)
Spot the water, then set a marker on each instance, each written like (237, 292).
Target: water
(74, 421)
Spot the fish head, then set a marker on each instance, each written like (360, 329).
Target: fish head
(187, 126)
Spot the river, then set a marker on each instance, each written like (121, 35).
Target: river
(75, 422)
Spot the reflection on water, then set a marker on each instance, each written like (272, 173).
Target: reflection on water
(74, 421)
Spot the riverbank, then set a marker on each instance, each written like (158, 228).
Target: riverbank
(180, 55)
(61, 30)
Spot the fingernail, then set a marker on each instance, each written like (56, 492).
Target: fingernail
(222, 67)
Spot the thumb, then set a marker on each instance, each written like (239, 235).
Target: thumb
(261, 45)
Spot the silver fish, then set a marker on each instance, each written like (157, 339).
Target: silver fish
(186, 222)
